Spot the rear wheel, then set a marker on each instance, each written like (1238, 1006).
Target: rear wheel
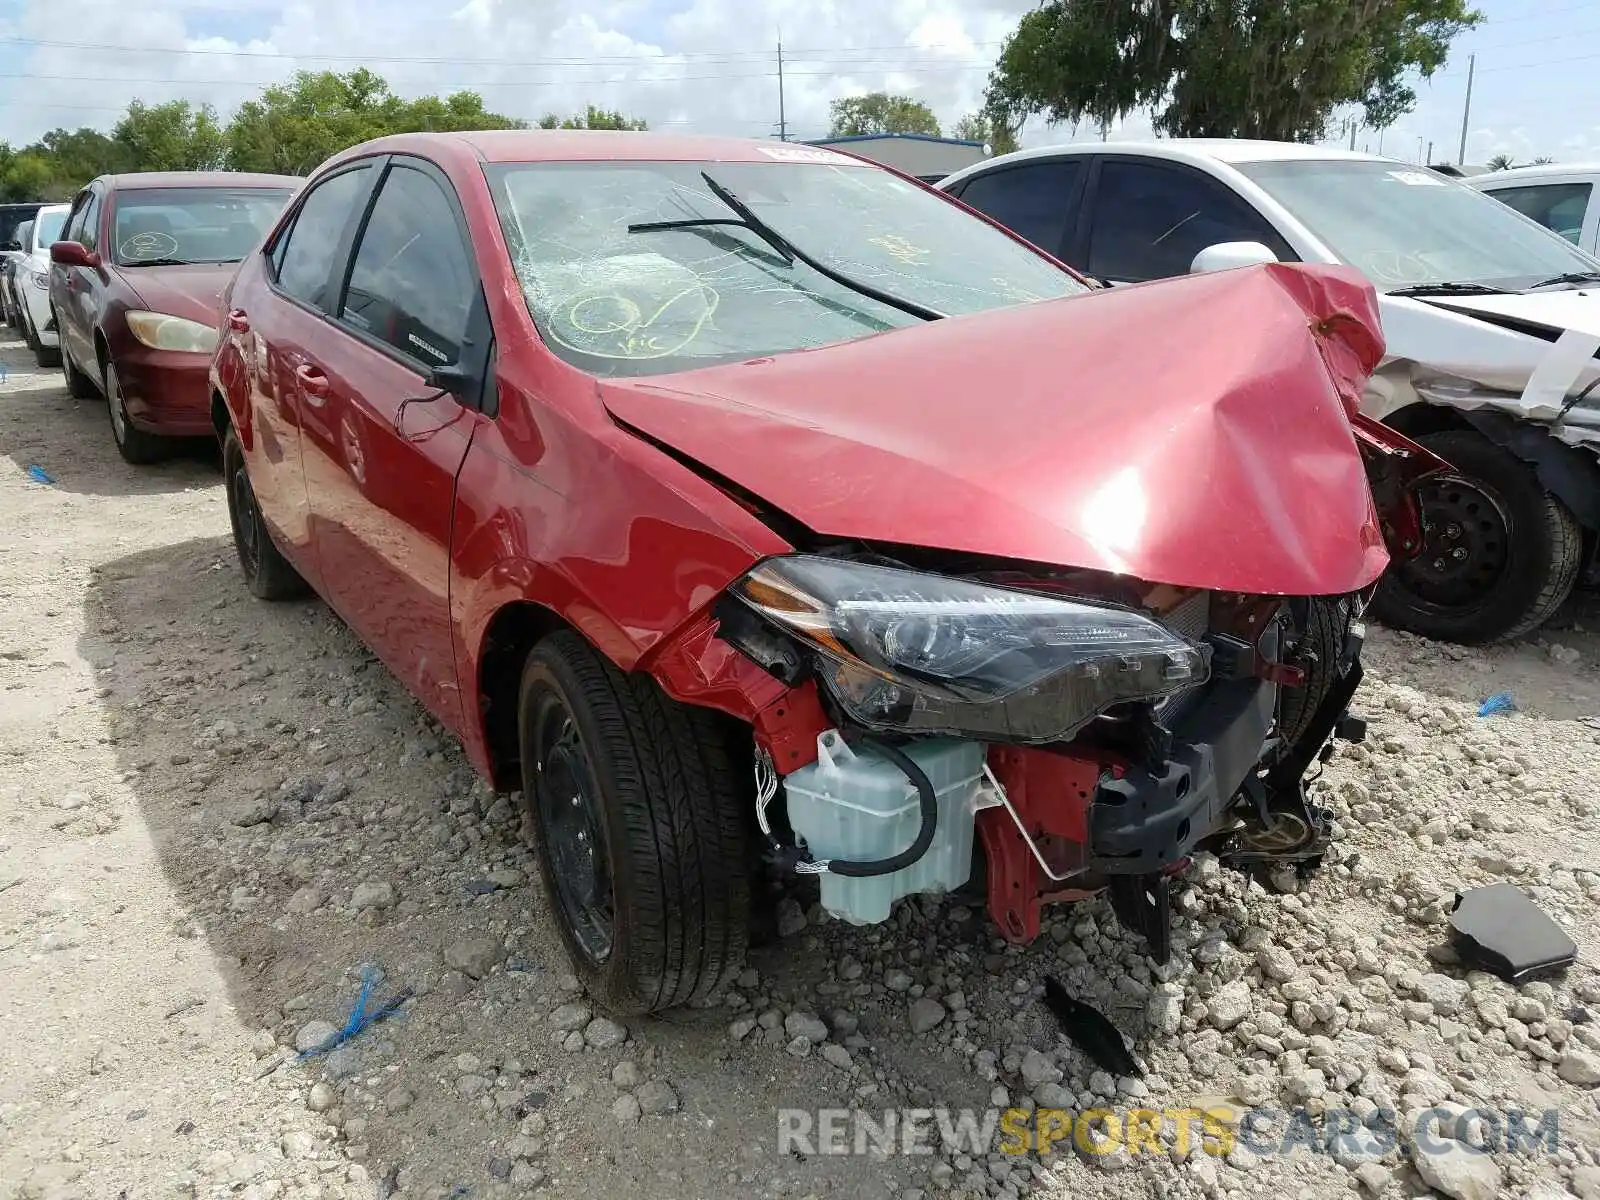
(638, 807)
(267, 574)
(1499, 556)
(79, 385)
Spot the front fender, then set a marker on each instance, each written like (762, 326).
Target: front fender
(1396, 465)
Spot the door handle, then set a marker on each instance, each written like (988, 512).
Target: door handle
(239, 321)
(312, 382)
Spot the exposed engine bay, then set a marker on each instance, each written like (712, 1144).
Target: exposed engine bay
(1090, 732)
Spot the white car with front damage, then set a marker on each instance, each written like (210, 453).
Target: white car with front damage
(1492, 324)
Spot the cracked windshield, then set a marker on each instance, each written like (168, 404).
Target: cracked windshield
(705, 286)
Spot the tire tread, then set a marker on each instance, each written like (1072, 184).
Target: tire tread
(675, 789)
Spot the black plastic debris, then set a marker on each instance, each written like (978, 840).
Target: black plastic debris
(1089, 1031)
(1501, 930)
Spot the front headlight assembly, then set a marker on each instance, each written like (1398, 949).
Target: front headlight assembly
(160, 331)
(918, 653)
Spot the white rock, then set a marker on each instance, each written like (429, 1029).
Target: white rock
(803, 1024)
(1229, 1005)
(568, 1017)
(1580, 1067)
(1445, 994)
(372, 893)
(1457, 1171)
(925, 1014)
(656, 1096)
(837, 1055)
(1038, 1069)
(603, 1033)
(312, 1034)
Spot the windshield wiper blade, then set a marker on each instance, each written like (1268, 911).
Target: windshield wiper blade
(1573, 277)
(158, 262)
(791, 252)
(692, 223)
(1452, 288)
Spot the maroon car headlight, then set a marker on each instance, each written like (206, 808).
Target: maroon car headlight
(921, 653)
(160, 331)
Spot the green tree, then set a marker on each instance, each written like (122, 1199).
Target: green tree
(170, 137)
(1224, 68)
(294, 126)
(32, 176)
(1500, 162)
(594, 118)
(997, 135)
(80, 155)
(879, 112)
(454, 113)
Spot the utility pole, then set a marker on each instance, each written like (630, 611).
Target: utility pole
(783, 124)
(1428, 162)
(1354, 126)
(1466, 109)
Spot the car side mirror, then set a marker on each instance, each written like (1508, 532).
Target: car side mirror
(73, 254)
(1224, 256)
(460, 383)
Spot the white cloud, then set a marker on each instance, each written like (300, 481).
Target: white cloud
(704, 65)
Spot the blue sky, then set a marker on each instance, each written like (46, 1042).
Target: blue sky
(702, 65)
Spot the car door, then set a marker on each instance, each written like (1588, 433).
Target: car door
(382, 460)
(1148, 218)
(1035, 199)
(1561, 206)
(279, 318)
(76, 297)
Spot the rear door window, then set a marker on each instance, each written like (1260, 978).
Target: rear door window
(304, 255)
(412, 283)
(1150, 219)
(1556, 206)
(1033, 200)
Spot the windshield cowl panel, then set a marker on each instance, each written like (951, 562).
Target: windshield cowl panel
(1407, 227)
(642, 268)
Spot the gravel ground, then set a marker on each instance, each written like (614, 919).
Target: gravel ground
(217, 817)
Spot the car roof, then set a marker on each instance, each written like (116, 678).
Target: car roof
(1191, 150)
(139, 180)
(1542, 171)
(588, 145)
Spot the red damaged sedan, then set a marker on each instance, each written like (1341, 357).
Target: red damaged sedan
(133, 293)
(746, 505)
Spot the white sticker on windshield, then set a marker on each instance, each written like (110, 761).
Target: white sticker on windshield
(1416, 178)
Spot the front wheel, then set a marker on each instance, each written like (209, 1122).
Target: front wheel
(134, 444)
(638, 806)
(1499, 555)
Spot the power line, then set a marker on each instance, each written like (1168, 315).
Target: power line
(619, 59)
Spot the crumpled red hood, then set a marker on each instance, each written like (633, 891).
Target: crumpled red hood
(1194, 432)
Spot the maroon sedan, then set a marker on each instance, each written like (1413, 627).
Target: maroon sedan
(134, 289)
